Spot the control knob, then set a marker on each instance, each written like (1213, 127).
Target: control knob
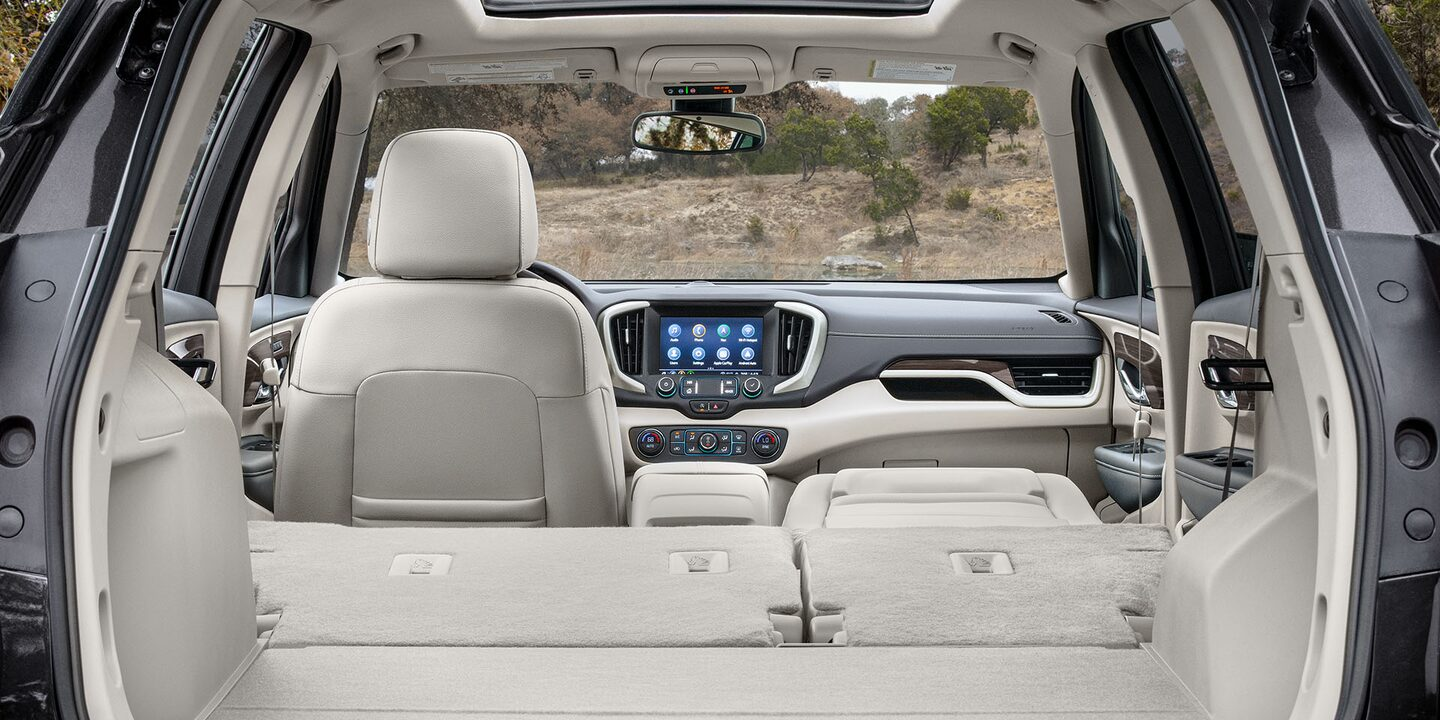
(765, 443)
(752, 387)
(708, 442)
(665, 386)
(650, 442)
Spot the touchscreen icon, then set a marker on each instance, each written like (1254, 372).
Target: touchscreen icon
(673, 353)
(747, 330)
(698, 353)
(723, 331)
(674, 330)
(723, 353)
(747, 354)
(698, 331)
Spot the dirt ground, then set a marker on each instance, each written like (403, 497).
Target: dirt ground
(776, 227)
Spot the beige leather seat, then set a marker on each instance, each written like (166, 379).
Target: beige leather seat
(449, 391)
(945, 497)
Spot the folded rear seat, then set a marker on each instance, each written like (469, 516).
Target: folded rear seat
(950, 497)
(995, 586)
(526, 587)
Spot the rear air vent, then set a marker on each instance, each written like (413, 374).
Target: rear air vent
(627, 334)
(795, 332)
(1059, 317)
(1053, 376)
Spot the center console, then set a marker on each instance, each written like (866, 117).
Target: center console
(685, 493)
(715, 359)
(709, 361)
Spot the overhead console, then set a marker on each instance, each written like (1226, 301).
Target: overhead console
(712, 360)
(700, 71)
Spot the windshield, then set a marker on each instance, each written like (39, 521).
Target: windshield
(855, 181)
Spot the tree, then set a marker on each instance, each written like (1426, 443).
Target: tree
(583, 136)
(897, 190)
(809, 138)
(867, 150)
(1005, 109)
(1414, 30)
(956, 125)
(22, 24)
(894, 187)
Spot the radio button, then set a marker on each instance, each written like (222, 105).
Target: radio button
(665, 386)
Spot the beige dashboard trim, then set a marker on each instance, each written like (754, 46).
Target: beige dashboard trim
(866, 412)
(1010, 393)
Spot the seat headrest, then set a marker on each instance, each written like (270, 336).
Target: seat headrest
(453, 204)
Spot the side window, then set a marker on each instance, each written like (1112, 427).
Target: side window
(1204, 114)
(242, 56)
(1113, 217)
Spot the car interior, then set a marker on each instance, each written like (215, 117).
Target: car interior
(367, 447)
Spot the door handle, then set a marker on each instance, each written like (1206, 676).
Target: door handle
(1130, 382)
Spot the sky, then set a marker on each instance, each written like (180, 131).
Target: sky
(889, 91)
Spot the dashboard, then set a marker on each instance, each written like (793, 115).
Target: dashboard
(784, 375)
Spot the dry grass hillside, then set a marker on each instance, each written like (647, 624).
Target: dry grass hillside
(776, 227)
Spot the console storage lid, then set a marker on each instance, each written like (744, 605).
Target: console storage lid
(700, 493)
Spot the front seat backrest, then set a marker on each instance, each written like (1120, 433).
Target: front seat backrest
(449, 391)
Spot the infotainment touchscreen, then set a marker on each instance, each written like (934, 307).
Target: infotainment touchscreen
(710, 344)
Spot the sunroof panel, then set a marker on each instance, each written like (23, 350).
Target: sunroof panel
(621, 7)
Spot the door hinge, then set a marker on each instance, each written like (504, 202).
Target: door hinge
(1294, 56)
(146, 40)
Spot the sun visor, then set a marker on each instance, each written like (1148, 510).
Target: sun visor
(544, 66)
(854, 65)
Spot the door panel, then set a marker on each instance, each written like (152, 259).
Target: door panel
(192, 331)
(274, 330)
(1136, 366)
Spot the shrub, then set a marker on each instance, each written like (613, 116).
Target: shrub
(755, 229)
(958, 199)
(992, 213)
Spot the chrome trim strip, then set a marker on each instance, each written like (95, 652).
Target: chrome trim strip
(811, 364)
(1097, 383)
(617, 378)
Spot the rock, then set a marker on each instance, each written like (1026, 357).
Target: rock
(852, 265)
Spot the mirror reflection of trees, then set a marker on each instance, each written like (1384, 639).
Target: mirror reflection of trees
(684, 134)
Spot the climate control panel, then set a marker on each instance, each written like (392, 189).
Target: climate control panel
(703, 442)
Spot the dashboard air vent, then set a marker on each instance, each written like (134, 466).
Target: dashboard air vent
(627, 333)
(1059, 317)
(1053, 376)
(795, 332)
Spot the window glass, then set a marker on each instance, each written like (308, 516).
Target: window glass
(242, 55)
(1204, 115)
(856, 181)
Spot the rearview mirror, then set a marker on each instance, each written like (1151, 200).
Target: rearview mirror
(699, 133)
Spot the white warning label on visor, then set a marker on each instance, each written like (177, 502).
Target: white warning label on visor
(916, 71)
(499, 71)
